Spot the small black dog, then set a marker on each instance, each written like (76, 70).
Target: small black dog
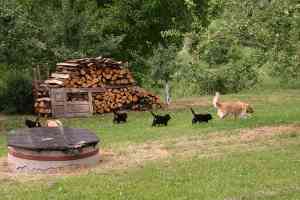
(159, 120)
(200, 117)
(33, 124)
(119, 117)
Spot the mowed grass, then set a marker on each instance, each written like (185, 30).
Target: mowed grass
(270, 172)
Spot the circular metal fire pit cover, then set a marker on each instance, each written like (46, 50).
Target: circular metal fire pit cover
(48, 149)
(51, 138)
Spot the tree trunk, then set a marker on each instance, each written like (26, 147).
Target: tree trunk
(167, 93)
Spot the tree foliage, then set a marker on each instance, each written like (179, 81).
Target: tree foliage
(216, 44)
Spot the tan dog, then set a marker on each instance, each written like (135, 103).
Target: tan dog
(54, 123)
(237, 108)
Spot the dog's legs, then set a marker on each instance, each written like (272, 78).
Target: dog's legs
(244, 115)
(221, 114)
(194, 121)
(153, 123)
(235, 116)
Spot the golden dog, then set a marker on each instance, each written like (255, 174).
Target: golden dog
(54, 123)
(237, 108)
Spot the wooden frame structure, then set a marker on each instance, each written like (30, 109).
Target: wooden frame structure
(61, 107)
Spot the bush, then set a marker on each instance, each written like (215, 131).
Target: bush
(232, 77)
(16, 93)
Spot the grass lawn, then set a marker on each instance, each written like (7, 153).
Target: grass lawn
(256, 158)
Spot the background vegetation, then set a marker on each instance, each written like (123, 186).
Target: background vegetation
(203, 45)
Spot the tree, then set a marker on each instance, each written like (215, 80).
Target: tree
(163, 67)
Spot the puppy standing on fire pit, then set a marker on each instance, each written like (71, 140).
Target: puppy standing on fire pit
(160, 119)
(33, 124)
(200, 117)
(236, 108)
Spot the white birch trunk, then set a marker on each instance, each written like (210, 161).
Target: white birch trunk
(167, 93)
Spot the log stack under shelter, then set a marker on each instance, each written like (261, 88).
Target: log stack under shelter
(106, 84)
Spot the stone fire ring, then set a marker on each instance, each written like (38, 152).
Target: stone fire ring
(44, 149)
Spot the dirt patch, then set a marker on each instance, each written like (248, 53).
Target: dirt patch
(137, 155)
(134, 155)
(267, 132)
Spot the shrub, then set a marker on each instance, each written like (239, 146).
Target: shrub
(16, 94)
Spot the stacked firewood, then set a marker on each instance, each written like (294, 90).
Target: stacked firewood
(92, 73)
(42, 105)
(124, 98)
(116, 81)
(41, 94)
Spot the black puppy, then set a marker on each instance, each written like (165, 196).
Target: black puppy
(160, 120)
(200, 117)
(119, 117)
(33, 124)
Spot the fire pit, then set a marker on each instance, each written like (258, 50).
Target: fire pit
(43, 149)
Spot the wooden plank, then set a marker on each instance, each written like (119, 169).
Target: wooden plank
(91, 102)
(78, 90)
(78, 108)
(60, 75)
(68, 64)
(65, 102)
(43, 99)
(53, 81)
(76, 60)
(97, 89)
(77, 115)
(58, 107)
(58, 110)
(73, 103)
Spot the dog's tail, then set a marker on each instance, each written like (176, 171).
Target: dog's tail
(152, 113)
(216, 102)
(193, 111)
(59, 123)
(249, 109)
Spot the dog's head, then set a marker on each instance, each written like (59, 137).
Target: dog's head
(167, 116)
(209, 117)
(38, 124)
(249, 109)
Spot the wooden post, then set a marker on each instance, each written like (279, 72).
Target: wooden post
(91, 101)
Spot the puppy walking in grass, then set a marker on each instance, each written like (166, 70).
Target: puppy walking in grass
(236, 108)
(119, 117)
(160, 119)
(200, 117)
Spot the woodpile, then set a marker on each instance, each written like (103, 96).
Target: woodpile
(112, 84)
(91, 73)
(42, 105)
(123, 98)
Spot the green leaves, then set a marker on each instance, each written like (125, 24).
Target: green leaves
(163, 63)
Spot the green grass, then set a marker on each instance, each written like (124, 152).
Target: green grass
(271, 172)
(277, 108)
